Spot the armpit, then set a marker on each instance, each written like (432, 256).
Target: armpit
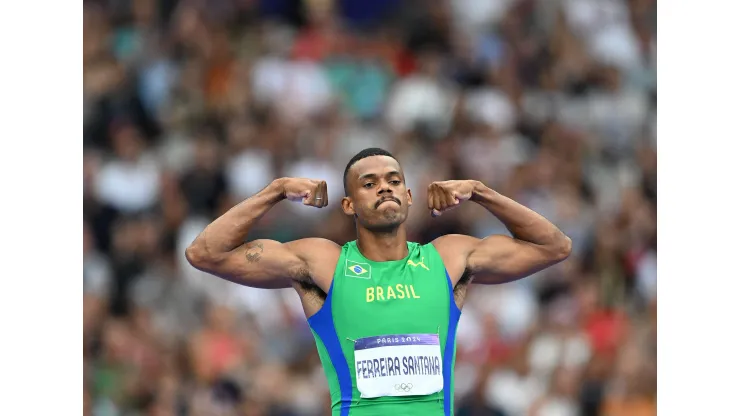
(461, 289)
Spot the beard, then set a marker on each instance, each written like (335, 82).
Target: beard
(386, 219)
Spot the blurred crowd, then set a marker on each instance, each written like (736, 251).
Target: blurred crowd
(193, 106)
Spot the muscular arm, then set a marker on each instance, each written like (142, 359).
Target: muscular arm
(536, 243)
(221, 249)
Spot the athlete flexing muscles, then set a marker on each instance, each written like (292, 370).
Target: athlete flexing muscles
(383, 310)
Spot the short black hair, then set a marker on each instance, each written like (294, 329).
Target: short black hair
(371, 151)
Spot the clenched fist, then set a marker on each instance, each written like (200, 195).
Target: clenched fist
(445, 195)
(310, 191)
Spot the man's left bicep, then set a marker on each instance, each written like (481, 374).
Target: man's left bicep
(500, 259)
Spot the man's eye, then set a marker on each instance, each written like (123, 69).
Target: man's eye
(368, 185)
(395, 182)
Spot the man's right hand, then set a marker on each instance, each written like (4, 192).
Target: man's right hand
(310, 191)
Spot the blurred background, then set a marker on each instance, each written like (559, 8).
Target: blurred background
(192, 106)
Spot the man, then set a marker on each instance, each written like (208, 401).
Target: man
(383, 311)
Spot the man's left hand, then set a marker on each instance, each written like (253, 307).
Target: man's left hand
(445, 195)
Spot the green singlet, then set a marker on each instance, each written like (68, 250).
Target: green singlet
(386, 334)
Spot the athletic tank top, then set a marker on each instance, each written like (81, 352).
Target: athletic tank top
(386, 334)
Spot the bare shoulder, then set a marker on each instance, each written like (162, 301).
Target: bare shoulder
(314, 249)
(454, 250)
(455, 245)
(453, 242)
(320, 256)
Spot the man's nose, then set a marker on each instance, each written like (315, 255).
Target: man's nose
(384, 187)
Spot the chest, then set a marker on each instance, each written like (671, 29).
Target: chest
(395, 299)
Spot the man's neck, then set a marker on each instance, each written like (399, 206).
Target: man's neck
(383, 246)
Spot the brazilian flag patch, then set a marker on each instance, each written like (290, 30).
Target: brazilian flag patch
(356, 269)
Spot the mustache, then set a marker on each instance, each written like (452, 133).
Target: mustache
(380, 201)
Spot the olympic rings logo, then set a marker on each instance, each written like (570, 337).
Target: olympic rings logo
(404, 387)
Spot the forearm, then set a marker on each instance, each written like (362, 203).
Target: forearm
(523, 223)
(230, 230)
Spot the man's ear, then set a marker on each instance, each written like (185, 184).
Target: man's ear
(348, 206)
(409, 196)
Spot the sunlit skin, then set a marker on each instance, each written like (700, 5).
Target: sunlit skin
(378, 200)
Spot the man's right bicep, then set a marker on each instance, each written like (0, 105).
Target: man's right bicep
(266, 264)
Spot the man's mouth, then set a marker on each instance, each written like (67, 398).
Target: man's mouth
(387, 200)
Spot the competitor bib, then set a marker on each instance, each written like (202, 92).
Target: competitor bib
(398, 365)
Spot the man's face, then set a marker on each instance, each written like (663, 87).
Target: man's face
(377, 193)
